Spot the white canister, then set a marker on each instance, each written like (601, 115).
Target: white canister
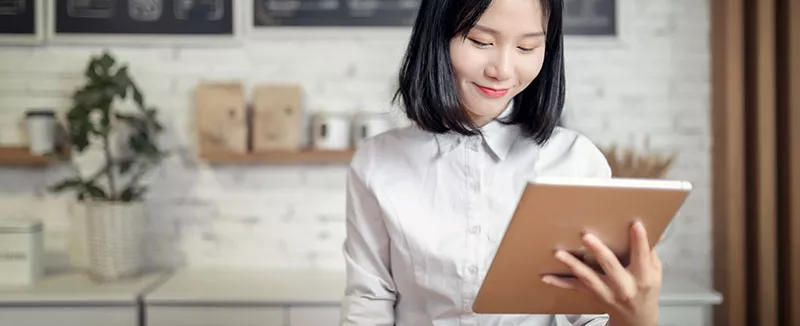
(41, 126)
(330, 131)
(366, 125)
(21, 250)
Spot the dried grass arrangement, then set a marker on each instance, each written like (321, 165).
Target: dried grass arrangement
(632, 163)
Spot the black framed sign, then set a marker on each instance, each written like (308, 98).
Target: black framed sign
(581, 17)
(590, 17)
(21, 21)
(144, 19)
(334, 12)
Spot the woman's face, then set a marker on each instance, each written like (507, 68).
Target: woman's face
(501, 56)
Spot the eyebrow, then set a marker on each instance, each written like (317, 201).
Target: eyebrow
(492, 31)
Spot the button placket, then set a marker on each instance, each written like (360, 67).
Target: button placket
(473, 270)
(473, 212)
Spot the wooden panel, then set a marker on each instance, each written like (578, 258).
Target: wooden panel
(215, 316)
(728, 194)
(279, 157)
(70, 316)
(763, 168)
(793, 148)
(22, 156)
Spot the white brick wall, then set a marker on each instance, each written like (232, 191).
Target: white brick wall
(651, 80)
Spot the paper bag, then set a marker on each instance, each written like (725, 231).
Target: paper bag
(221, 115)
(277, 118)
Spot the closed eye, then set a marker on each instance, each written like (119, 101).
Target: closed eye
(479, 43)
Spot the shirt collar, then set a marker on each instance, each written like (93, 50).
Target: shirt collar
(498, 136)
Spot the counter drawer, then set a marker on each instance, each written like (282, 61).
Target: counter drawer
(69, 315)
(215, 316)
(314, 316)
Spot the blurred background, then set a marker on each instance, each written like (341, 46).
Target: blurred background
(215, 135)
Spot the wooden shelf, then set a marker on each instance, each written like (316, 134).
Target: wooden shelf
(280, 157)
(21, 156)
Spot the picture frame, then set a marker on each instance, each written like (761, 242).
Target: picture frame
(595, 18)
(146, 22)
(591, 18)
(22, 22)
(259, 31)
(334, 13)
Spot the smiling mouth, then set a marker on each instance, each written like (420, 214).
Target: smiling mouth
(492, 92)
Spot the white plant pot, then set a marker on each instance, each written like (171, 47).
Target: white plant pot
(115, 233)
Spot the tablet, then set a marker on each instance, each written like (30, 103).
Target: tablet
(551, 214)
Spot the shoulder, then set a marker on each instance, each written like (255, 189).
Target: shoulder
(574, 153)
(388, 149)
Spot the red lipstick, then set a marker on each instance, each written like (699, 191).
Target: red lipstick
(491, 92)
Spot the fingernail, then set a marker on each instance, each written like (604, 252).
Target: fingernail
(589, 237)
(547, 279)
(560, 254)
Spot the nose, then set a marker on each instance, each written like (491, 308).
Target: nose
(500, 66)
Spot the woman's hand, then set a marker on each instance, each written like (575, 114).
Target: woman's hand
(631, 294)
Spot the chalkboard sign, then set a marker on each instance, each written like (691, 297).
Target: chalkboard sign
(21, 21)
(590, 17)
(584, 17)
(581, 17)
(335, 12)
(144, 17)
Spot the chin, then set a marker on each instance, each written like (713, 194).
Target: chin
(489, 109)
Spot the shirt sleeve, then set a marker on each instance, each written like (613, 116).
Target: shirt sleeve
(370, 291)
(594, 164)
(585, 320)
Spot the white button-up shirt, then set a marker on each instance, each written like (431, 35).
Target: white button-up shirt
(426, 213)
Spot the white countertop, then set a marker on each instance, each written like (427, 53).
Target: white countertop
(79, 289)
(266, 287)
(304, 287)
(689, 298)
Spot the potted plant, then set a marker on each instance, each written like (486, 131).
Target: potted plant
(630, 163)
(112, 195)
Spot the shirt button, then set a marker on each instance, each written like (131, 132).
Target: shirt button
(475, 229)
(473, 270)
(474, 146)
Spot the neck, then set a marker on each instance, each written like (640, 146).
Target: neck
(480, 120)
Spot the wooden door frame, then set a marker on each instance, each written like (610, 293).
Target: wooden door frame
(728, 160)
(755, 111)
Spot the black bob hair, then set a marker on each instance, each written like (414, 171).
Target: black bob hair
(427, 86)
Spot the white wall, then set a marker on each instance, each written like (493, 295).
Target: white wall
(651, 80)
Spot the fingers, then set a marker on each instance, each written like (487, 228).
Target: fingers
(640, 249)
(587, 276)
(565, 283)
(618, 277)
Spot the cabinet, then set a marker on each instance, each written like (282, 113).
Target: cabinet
(312, 298)
(681, 308)
(247, 298)
(214, 315)
(74, 299)
(687, 307)
(314, 316)
(228, 298)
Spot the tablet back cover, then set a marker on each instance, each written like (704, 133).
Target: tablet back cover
(554, 216)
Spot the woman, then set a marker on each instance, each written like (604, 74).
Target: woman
(427, 205)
